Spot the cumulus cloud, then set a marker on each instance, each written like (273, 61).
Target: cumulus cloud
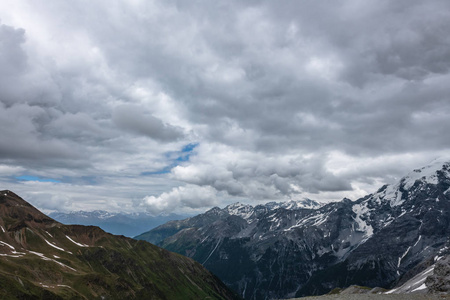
(258, 176)
(189, 196)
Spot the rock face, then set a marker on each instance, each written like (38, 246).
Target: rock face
(41, 258)
(439, 282)
(266, 252)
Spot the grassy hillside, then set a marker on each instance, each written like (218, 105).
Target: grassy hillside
(43, 259)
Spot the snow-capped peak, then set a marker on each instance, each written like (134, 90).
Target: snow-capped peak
(426, 175)
(304, 203)
(100, 214)
(246, 211)
(294, 204)
(238, 209)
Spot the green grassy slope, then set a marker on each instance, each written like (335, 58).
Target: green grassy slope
(43, 259)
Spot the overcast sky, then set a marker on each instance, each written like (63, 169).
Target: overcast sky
(178, 106)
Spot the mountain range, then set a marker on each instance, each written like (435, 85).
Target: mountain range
(392, 239)
(41, 258)
(127, 224)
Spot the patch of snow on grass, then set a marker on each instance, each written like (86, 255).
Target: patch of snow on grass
(63, 285)
(10, 255)
(78, 244)
(8, 245)
(54, 246)
(49, 259)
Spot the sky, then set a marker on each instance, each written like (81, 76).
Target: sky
(179, 106)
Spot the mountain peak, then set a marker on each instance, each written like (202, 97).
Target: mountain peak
(238, 209)
(428, 174)
(17, 213)
(396, 194)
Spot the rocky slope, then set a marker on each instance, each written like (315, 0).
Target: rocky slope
(41, 258)
(383, 239)
(244, 212)
(439, 281)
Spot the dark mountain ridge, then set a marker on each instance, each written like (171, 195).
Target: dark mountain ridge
(382, 240)
(41, 258)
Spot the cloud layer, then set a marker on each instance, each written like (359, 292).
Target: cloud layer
(285, 100)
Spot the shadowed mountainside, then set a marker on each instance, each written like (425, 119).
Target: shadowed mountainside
(381, 240)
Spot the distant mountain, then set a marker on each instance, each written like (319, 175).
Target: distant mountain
(244, 211)
(382, 240)
(41, 258)
(116, 223)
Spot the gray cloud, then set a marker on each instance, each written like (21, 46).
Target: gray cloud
(12, 57)
(258, 176)
(133, 119)
(282, 97)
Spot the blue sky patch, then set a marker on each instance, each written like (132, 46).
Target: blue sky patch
(176, 157)
(35, 178)
(189, 147)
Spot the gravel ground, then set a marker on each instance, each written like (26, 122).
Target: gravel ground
(377, 297)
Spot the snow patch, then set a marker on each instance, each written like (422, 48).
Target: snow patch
(390, 194)
(361, 210)
(14, 253)
(420, 236)
(8, 245)
(422, 287)
(78, 244)
(37, 253)
(212, 251)
(403, 256)
(3, 229)
(50, 259)
(10, 255)
(427, 174)
(415, 284)
(63, 285)
(54, 246)
(244, 211)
